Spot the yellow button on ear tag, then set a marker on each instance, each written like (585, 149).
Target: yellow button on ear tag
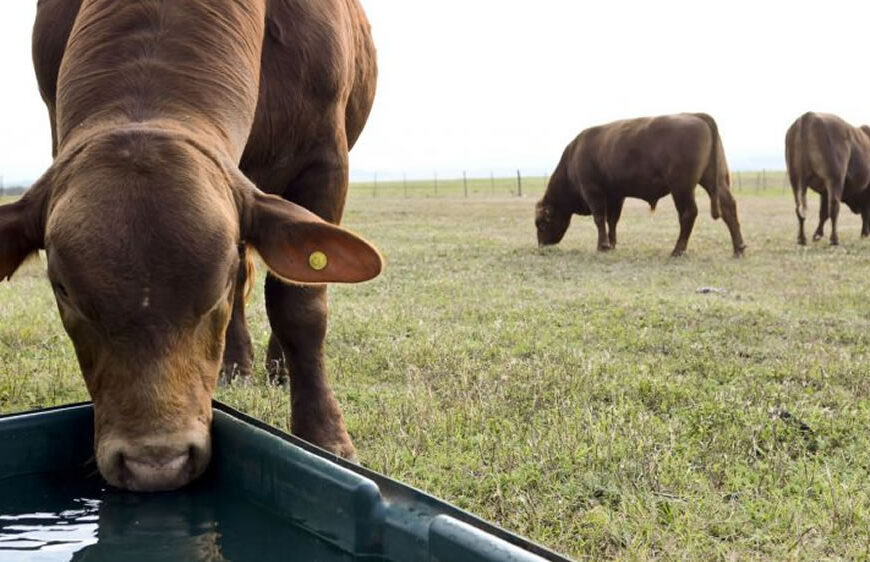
(318, 261)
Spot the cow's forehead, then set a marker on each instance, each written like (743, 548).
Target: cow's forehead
(128, 268)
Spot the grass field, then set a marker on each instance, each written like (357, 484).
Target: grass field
(599, 404)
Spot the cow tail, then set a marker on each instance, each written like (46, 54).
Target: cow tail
(799, 183)
(714, 164)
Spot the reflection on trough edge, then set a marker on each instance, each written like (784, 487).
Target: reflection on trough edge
(353, 512)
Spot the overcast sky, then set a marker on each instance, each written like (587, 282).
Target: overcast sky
(505, 84)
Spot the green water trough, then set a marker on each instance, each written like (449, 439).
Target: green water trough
(266, 496)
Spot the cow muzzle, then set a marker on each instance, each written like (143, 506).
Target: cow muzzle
(154, 463)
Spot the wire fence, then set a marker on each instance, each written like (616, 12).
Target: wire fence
(454, 185)
(761, 182)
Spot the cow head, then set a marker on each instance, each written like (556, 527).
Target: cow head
(551, 223)
(141, 234)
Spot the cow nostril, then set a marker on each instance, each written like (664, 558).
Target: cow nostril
(163, 463)
(121, 470)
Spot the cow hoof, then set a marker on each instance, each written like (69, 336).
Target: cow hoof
(835, 242)
(233, 373)
(277, 373)
(345, 451)
(280, 381)
(224, 381)
(740, 252)
(678, 253)
(605, 248)
(353, 459)
(816, 238)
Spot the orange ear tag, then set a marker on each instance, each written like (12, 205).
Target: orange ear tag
(318, 261)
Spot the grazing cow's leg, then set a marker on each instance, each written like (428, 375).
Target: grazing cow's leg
(800, 210)
(729, 215)
(601, 225)
(835, 192)
(684, 201)
(239, 352)
(865, 222)
(801, 237)
(598, 205)
(823, 217)
(298, 317)
(614, 211)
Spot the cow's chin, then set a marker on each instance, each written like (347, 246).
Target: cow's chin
(156, 462)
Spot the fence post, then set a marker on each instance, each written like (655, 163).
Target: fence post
(436, 184)
(465, 183)
(519, 184)
(405, 183)
(764, 179)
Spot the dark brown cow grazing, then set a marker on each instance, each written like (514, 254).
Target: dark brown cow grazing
(833, 158)
(144, 211)
(648, 159)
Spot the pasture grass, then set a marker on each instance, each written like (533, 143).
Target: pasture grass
(596, 403)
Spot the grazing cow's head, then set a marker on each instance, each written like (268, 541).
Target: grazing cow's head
(141, 232)
(551, 223)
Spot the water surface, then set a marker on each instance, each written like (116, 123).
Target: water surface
(51, 518)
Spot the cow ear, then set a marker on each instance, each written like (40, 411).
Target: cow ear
(22, 227)
(299, 246)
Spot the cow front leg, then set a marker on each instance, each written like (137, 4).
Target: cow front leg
(614, 211)
(598, 206)
(865, 222)
(687, 210)
(239, 352)
(298, 316)
(601, 225)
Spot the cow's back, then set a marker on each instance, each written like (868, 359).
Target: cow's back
(644, 157)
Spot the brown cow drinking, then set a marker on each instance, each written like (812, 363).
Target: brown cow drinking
(143, 213)
(645, 158)
(833, 158)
